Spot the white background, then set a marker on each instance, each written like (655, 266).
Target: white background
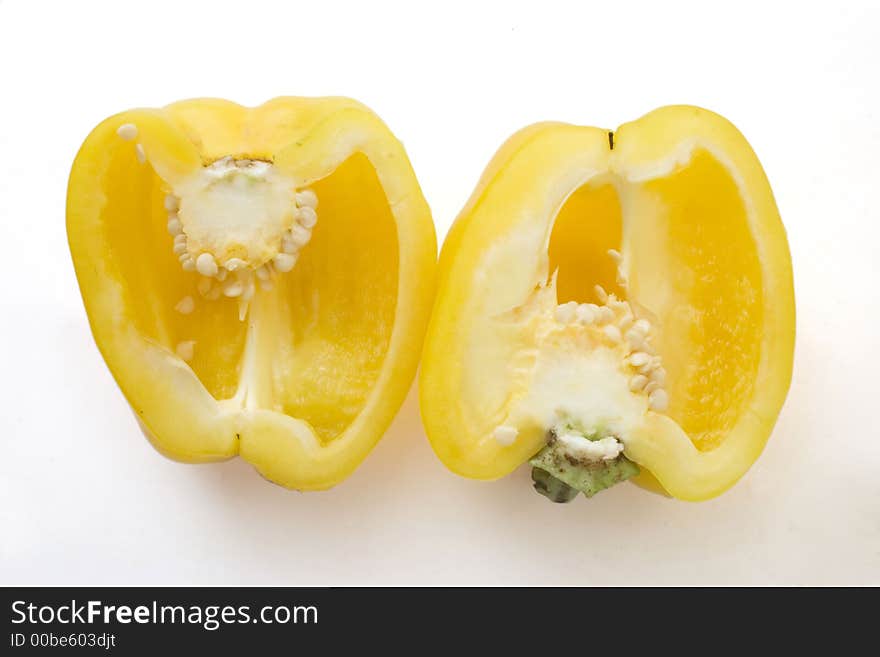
(84, 498)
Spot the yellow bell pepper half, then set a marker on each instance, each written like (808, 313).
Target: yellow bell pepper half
(612, 298)
(258, 280)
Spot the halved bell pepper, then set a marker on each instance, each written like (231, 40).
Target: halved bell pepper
(613, 305)
(258, 279)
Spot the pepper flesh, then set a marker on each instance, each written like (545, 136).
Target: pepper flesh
(306, 385)
(681, 199)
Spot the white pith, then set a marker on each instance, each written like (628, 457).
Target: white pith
(235, 209)
(586, 365)
(581, 448)
(236, 225)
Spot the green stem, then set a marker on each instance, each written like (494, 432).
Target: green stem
(559, 477)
